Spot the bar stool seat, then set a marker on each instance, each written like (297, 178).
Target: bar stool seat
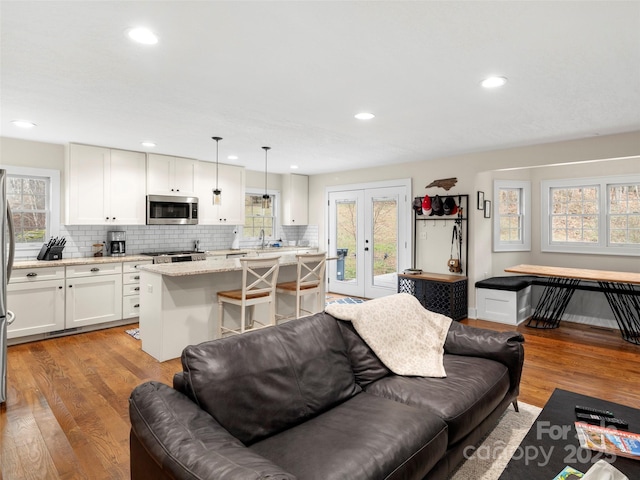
(310, 275)
(259, 279)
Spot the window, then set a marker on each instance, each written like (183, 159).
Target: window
(257, 218)
(574, 214)
(512, 219)
(624, 214)
(34, 197)
(591, 215)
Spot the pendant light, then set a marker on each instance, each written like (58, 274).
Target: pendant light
(266, 198)
(217, 193)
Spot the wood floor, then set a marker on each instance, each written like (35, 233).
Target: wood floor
(66, 416)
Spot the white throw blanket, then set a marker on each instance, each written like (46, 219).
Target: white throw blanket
(406, 337)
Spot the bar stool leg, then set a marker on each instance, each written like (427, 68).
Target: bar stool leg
(220, 317)
(272, 311)
(298, 300)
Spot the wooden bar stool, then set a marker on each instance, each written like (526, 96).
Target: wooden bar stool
(310, 275)
(259, 278)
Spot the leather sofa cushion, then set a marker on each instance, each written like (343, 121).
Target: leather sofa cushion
(472, 389)
(364, 438)
(366, 365)
(263, 382)
(171, 437)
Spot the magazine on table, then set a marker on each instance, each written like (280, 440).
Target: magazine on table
(609, 440)
(569, 473)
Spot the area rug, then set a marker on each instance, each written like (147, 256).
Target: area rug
(344, 300)
(134, 332)
(489, 459)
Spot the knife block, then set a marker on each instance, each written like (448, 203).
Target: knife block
(50, 253)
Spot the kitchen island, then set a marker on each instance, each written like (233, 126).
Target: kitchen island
(179, 306)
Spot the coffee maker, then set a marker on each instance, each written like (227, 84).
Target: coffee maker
(116, 243)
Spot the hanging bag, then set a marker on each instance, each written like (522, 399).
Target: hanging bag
(454, 263)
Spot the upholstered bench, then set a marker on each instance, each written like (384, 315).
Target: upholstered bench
(505, 299)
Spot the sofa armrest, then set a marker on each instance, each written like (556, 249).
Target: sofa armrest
(504, 347)
(174, 438)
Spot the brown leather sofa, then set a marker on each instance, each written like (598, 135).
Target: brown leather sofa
(309, 400)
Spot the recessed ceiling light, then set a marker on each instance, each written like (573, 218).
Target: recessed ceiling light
(493, 82)
(364, 116)
(143, 35)
(294, 167)
(232, 157)
(23, 123)
(148, 144)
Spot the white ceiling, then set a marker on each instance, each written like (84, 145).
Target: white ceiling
(291, 75)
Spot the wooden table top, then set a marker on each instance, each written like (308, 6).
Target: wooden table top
(578, 273)
(436, 277)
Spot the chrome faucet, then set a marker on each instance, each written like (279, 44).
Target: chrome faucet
(262, 239)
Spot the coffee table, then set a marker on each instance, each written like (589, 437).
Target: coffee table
(551, 443)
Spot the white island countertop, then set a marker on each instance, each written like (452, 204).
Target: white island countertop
(210, 265)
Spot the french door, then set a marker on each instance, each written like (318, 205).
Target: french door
(369, 231)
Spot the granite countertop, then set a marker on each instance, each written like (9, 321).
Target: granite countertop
(268, 251)
(210, 265)
(258, 250)
(77, 261)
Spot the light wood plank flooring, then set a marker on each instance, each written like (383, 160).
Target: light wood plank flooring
(66, 416)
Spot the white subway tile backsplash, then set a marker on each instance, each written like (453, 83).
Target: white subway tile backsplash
(149, 238)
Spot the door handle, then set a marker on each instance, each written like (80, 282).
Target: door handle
(366, 249)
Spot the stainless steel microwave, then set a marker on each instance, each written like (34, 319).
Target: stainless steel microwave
(170, 210)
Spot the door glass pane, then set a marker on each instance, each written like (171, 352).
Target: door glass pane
(384, 239)
(346, 241)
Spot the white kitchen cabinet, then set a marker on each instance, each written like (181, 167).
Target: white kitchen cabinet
(131, 288)
(231, 182)
(94, 294)
(167, 175)
(37, 298)
(295, 199)
(105, 186)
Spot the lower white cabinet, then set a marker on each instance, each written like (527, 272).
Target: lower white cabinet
(94, 294)
(37, 297)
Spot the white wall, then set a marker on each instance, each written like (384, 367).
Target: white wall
(476, 171)
(598, 262)
(24, 153)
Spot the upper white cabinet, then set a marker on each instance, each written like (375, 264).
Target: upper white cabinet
(231, 182)
(295, 199)
(168, 175)
(104, 186)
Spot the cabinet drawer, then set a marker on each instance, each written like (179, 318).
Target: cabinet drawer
(36, 274)
(130, 267)
(128, 278)
(93, 270)
(133, 289)
(131, 306)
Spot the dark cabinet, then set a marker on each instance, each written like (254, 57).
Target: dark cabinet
(445, 294)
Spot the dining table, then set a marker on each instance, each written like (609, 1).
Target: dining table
(621, 289)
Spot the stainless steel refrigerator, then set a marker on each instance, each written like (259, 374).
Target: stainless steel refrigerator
(7, 248)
